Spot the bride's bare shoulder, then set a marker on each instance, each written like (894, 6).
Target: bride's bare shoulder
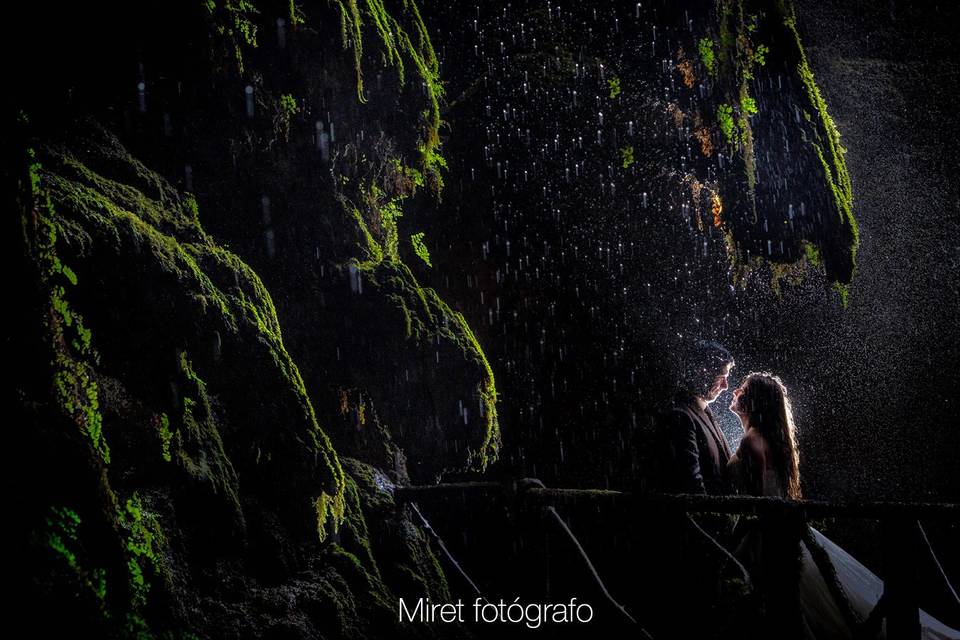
(752, 446)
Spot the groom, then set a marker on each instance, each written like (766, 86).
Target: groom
(696, 450)
(691, 457)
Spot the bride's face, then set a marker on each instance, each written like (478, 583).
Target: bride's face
(735, 402)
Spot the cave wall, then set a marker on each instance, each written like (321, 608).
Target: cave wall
(185, 475)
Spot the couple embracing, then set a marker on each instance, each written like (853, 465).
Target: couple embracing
(828, 593)
(700, 459)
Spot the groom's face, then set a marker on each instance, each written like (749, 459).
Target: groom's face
(719, 384)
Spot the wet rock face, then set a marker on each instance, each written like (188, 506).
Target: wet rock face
(198, 318)
(201, 481)
(800, 198)
(628, 165)
(706, 110)
(283, 123)
(428, 385)
(152, 331)
(334, 172)
(188, 484)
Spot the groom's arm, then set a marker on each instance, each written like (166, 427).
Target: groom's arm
(682, 436)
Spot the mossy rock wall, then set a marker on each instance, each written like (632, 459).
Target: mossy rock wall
(787, 194)
(198, 314)
(181, 482)
(426, 381)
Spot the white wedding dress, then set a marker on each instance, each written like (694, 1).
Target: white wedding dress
(822, 616)
(861, 586)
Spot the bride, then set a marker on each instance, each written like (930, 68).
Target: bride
(767, 464)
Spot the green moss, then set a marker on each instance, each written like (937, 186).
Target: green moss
(216, 286)
(707, 57)
(428, 316)
(191, 209)
(165, 436)
(389, 212)
(63, 524)
(377, 204)
(614, 85)
(749, 161)
(197, 445)
(741, 55)
(780, 272)
(143, 543)
(406, 179)
(62, 538)
(759, 54)
(381, 237)
(144, 540)
(826, 142)
(232, 20)
(794, 272)
(374, 528)
(330, 510)
(285, 110)
(416, 240)
(727, 126)
(70, 215)
(812, 254)
(372, 250)
(371, 587)
(407, 316)
(288, 104)
(77, 397)
(397, 44)
(738, 56)
(354, 532)
(74, 388)
(33, 170)
(351, 33)
(410, 562)
(843, 291)
(488, 390)
(294, 14)
(163, 209)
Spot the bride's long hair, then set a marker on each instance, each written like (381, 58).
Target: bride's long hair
(768, 406)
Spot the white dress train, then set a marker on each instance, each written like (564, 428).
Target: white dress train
(822, 616)
(863, 589)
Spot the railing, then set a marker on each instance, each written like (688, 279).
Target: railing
(902, 536)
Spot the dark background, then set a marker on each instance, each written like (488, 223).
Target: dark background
(581, 330)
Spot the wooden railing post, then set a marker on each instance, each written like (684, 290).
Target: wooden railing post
(780, 573)
(900, 583)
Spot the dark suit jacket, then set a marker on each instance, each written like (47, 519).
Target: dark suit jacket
(696, 451)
